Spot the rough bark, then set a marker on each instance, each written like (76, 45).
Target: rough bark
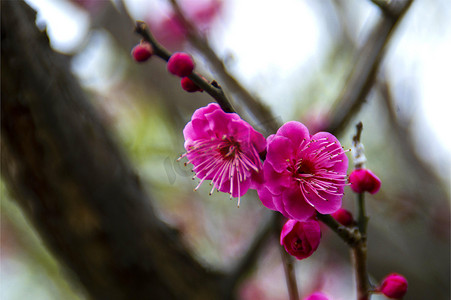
(74, 184)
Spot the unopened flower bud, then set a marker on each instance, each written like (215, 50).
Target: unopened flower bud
(343, 216)
(317, 296)
(181, 64)
(142, 52)
(394, 286)
(300, 239)
(189, 86)
(363, 180)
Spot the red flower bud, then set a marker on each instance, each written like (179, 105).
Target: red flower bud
(180, 64)
(394, 286)
(300, 239)
(343, 216)
(142, 52)
(363, 180)
(189, 86)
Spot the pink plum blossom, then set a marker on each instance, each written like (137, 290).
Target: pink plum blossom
(363, 180)
(303, 173)
(300, 239)
(224, 149)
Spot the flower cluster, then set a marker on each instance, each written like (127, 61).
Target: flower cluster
(302, 173)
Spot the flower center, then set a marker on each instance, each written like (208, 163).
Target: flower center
(230, 149)
(305, 168)
(224, 162)
(297, 245)
(314, 169)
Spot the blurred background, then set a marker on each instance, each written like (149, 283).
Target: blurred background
(295, 57)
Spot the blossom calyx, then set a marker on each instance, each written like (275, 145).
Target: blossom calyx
(394, 286)
(180, 64)
(300, 239)
(142, 52)
(363, 180)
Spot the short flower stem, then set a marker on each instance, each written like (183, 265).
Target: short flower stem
(287, 261)
(290, 276)
(351, 236)
(362, 218)
(359, 253)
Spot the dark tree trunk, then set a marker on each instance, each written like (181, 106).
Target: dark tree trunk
(74, 184)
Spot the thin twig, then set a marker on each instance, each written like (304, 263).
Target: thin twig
(349, 235)
(290, 276)
(356, 137)
(213, 88)
(359, 251)
(362, 76)
(362, 220)
(287, 262)
(359, 254)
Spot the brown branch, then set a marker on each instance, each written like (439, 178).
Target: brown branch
(362, 76)
(74, 184)
(287, 261)
(359, 254)
(350, 236)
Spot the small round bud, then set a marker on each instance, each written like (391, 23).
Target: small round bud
(363, 180)
(343, 216)
(394, 286)
(189, 86)
(142, 52)
(180, 64)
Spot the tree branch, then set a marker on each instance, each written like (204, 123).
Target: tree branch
(362, 76)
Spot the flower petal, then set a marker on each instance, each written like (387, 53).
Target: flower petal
(266, 198)
(328, 206)
(280, 153)
(274, 181)
(294, 131)
(295, 206)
